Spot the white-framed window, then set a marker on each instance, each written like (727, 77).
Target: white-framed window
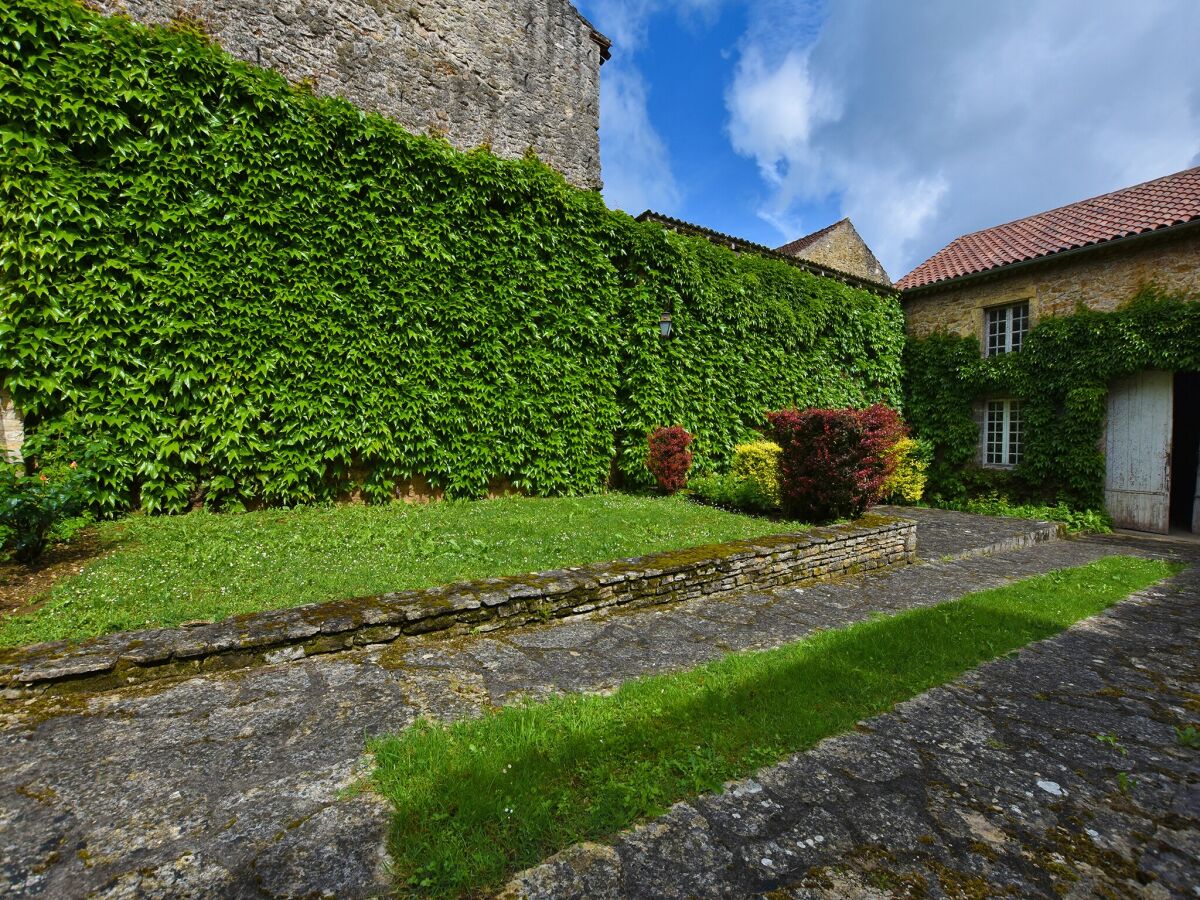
(1005, 327)
(1003, 433)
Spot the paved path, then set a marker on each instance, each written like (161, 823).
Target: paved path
(997, 785)
(943, 534)
(233, 784)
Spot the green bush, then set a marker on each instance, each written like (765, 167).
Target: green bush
(731, 492)
(39, 507)
(758, 463)
(220, 286)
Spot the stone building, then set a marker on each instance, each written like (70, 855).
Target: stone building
(840, 247)
(835, 252)
(509, 74)
(996, 284)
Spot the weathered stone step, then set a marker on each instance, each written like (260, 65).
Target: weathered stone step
(945, 534)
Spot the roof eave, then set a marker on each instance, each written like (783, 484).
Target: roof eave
(605, 45)
(996, 271)
(597, 36)
(736, 244)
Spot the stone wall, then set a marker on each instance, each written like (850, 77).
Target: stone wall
(12, 430)
(1102, 279)
(841, 247)
(511, 74)
(869, 543)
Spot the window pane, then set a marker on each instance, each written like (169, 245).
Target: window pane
(1020, 324)
(1005, 328)
(996, 322)
(994, 438)
(1016, 432)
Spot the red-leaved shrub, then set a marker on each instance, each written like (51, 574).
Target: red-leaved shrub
(670, 458)
(834, 461)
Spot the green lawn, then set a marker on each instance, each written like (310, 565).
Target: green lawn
(479, 799)
(166, 570)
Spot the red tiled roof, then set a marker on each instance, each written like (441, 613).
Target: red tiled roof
(808, 240)
(1172, 200)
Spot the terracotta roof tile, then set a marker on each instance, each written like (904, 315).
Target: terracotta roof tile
(1172, 200)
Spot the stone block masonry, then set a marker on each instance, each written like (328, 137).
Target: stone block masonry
(116, 660)
(509, 74)
(12, 430)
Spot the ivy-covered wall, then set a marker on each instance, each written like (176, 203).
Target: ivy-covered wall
(218, 285)
(1062, 374)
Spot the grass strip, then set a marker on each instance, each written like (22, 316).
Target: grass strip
(479, 799)
(1077, 521)
(165, 570)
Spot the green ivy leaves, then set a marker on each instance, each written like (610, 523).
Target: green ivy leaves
(217, 285)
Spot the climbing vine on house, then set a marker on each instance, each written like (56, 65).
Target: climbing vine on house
(1062, 375)
(217, 285)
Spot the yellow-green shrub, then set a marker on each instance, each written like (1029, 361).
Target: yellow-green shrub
(758, 464)
(907, 483)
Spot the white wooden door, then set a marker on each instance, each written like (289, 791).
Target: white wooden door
(1137, 488)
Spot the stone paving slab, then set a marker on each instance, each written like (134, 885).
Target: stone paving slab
(996, 785)
(234, 783)
(944, 533)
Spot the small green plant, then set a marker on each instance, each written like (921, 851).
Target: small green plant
(1188, 736)
(1111, 740)
(1126, 782)
(38, 507)
(1077, 521)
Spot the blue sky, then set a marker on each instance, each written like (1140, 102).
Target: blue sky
(769, 119)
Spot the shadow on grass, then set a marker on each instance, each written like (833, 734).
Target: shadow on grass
(478, 799)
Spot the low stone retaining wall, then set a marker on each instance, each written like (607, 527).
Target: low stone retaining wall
(948, 535)
(129, 657)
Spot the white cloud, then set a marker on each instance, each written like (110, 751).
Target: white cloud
(894, 209)
(775, 109)
(636, 164)
(625, 21)
(926, 121)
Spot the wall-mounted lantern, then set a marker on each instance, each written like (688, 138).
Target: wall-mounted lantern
(665, 328)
